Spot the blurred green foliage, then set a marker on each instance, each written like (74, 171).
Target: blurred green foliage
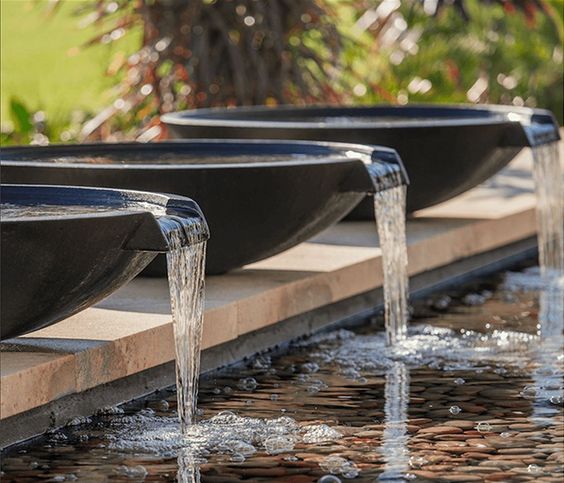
(486, 51)
(497, 55)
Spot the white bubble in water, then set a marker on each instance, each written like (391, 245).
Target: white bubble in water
(473, 299)
(320, 434)
(227, 390)
(350, 373)
(349, 470)
(79, 420)
(459, 381)
(332, 464)
(137, 472)
(417, 461)
(310, 367)
(506, 434)
(556, 400)
(362, 380)
(163, 405)
(237, 458)
(279, 444)
(483, 427)
(247, 384)
(107, 410)
(329, 479)
(529, 392)
(339, 465)
(241, 447)
(454, 410)
(535, 469)
(274, 397)
(223, 417)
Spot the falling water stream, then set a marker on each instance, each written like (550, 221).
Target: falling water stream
(389, 207)
(547, 173)
(549, 187)
(186, 267)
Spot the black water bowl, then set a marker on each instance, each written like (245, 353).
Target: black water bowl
(259, 198)
(64, 249)
(446, 149)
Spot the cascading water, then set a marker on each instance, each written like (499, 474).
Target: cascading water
(549, 189)
(186, 268)
(389, 207)
(550, 208)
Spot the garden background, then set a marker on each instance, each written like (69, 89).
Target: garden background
(77, 70)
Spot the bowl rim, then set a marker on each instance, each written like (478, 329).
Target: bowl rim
(141, 202)
(337, 152)
(469, 115)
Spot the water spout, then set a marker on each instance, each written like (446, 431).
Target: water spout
(181, 230)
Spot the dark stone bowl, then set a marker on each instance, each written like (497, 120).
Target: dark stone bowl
(92, 241)
(446, 149)
(260, 198)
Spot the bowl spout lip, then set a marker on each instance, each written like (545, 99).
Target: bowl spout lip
(380, 171)
(155, 215)
(530, 128)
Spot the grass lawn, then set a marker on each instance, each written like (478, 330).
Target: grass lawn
(38, 67)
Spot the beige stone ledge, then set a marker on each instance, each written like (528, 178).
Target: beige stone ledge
(131, 331)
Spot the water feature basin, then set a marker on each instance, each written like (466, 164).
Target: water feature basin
(260, 197)
(66, 248)
(472, 397)
(446, 149)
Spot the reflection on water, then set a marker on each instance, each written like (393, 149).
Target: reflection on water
(188, 468)
(394, 440)
(471, 394)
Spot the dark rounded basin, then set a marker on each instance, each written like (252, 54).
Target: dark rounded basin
(259, 197)
(64, 249)
(446, 149)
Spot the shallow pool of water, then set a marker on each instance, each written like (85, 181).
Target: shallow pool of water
(471, 395)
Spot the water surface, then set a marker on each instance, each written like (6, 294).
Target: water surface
(472, 394)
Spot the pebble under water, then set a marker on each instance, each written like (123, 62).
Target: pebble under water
(472, 394)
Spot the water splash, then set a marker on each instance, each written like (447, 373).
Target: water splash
(389, 206)
(226, 433)
(186, 267)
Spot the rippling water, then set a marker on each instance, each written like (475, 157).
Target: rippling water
(471, 394)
